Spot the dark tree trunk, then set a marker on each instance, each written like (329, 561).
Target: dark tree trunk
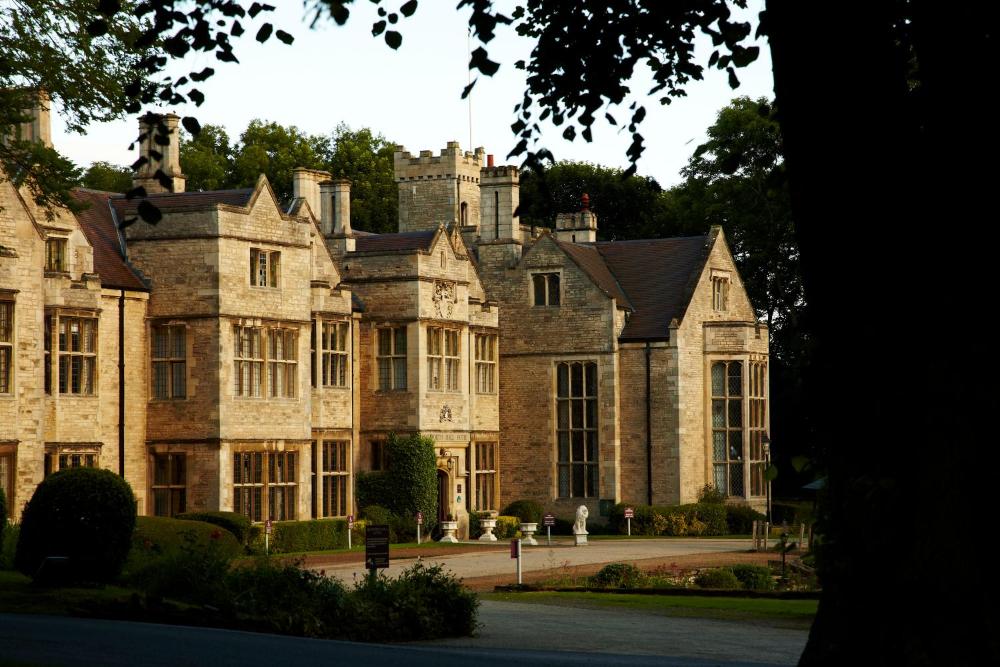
(898, 241)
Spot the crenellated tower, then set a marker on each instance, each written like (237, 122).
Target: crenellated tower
(436, 189)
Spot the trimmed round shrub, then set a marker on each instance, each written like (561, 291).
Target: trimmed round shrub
(528, 511)
(754, 577)
(720, 577)
(507, 527)
(618, 575)
(84, 514)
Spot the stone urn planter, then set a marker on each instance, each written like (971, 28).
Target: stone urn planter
(449, 528)
(528, 531)
(488, 525)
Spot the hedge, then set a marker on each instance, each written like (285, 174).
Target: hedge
(314, 535)
(528, 511)
(691, 519)
(408, 485)
(163, 546)
(237, 524)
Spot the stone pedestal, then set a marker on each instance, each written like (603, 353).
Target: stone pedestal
(580, 539)
(528, 534)
(488, 525)
(449, 528)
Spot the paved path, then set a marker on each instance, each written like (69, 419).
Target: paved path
(546, 558)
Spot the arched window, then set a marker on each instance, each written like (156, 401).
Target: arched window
(465, 214)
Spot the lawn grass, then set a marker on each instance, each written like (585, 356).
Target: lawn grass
(19, 596)
(789, 613)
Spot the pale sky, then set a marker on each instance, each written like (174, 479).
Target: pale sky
(413, 95)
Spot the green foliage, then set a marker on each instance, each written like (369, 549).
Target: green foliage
(720, 577)
(206, 159)
(507, 527)
(627, 207)
(408, 486)
(618, 575)
(85, 514)
(158, 540)
(424, 602)
(754, 577)
(314, 535)
(3, 517)
(528, 511)
(372, 488)
(237, 524)
(275, 150)
(107, 177)
(358, 532)
(366, 160)
(694, 519)
(285, 598)
(9, 546)
(711, 495)
(740, 518)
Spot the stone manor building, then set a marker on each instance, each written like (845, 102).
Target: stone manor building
(253, 355)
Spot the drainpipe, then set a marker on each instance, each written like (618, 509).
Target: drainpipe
(649, 431)
(121, 383)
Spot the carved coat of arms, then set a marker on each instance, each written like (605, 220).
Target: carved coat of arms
(444, 297)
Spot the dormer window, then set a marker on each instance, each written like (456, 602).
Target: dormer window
(55, 254)
(546, 289)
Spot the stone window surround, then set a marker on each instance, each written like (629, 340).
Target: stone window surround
(570, 461)
(446, 356)
(548, 273)
(170, 360)
(260, 465)
(174, 486)
(486, 478)
(337, 474)
(266, 274)
(262, 366)
(326, 358)
(721, 282)
(52, 352)
(395, 362)
(8, 307)
(57, 453)
(751, 425)
(57, 253)
(486, 362)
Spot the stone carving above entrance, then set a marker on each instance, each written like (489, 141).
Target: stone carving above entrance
(444, 297)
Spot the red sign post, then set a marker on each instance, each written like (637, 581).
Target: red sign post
(548, 522)
(629, 514)
(515, 552)
(420, 522)
(267, 536)
(350, 527)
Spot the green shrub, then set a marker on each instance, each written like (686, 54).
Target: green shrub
(423, 602)
(358, 532)
(711, 514)
(376, 515)
(237, 524)
(754, 577)
(711, 495)
(85, 514)
(3, 516)
(9, 547)
(313, 535)
(507, 527)
(740, 518)
(618, 575)
(528, 511)
(372, 488)
(285, 598)
(408, 486)
(160, 543)
(188, 563)
(720, 577)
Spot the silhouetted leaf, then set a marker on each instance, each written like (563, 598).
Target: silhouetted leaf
(408, 8)
(284, 36)
(149, 212)
(203, 74)
(378, 28)
(191, 124)
(97, 27)
(393, 39)
(264, 33)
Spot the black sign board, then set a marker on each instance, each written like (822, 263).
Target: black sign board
(550, 520)
(376, 547)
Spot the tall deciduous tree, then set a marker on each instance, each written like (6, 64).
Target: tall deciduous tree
(107, 177)
(207, 159)
(275, 150)
(365, 158)
(627, 207)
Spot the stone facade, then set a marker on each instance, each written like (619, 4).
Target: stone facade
(252, 355)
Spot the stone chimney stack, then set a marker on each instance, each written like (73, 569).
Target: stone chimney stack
(580, 227)
(336, 196)
(500, 195)
(305, 185)
(162, 154)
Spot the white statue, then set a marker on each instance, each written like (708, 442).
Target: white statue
(580, 525)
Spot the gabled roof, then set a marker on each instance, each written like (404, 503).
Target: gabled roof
(101, 229)
(658, 276)
(390, 242)
(589, 259)
(188, 201)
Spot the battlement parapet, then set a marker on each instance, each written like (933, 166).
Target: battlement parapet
(451, 155)
(505, 172)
